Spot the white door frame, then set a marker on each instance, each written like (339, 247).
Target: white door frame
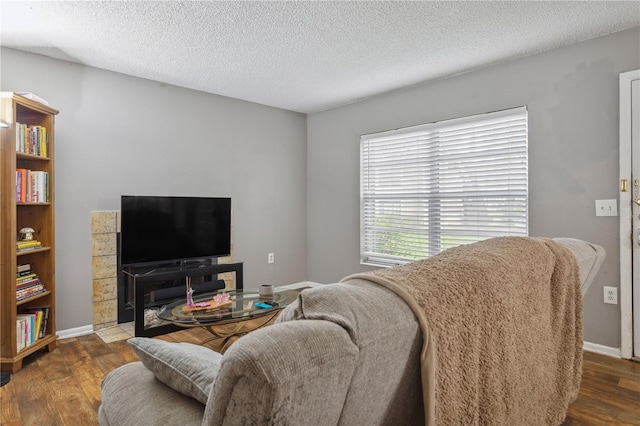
(626, 232)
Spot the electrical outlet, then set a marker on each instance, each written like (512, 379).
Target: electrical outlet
(611, 295)
(271, 258)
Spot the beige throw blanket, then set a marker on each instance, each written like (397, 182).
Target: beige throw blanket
(502, 327)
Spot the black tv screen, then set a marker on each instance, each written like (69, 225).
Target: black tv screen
(157, 229)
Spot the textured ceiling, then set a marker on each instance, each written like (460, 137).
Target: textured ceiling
(302, 56)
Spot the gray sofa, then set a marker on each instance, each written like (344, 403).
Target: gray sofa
(342, 354)
(294, 372)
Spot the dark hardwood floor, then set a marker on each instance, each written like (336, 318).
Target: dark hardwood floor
(609, 393)
(63, 387)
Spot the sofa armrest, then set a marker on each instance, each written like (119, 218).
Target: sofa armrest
(589, 256)
(284, 374)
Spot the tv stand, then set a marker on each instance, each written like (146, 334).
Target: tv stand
(144, 281)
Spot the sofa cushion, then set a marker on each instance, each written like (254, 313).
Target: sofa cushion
(189, 369)
(131, 395)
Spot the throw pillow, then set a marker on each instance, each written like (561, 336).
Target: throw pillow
(187, 368)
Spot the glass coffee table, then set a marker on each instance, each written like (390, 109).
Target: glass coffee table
(242, 308)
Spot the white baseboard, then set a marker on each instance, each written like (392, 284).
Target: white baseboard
(75, 332)
(601, 349)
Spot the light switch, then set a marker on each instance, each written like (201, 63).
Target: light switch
(606, 208)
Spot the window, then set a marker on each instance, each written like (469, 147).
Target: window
(431, 187)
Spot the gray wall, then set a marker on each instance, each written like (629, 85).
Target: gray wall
(572, 97)
(117, 134)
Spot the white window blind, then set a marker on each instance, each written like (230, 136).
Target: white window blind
(431, 187)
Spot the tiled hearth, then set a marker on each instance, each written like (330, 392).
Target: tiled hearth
(104, 268)
(105, 225)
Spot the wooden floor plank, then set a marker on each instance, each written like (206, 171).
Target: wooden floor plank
(71, 402)
(124, 350)
(615, 396)
(629, 384)
(108, 362)
(9, 407)
(55, 365)
(94, 345)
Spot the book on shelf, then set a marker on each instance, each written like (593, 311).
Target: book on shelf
(23, 274)
(30, 292)
(24, 269)
(28, 245)
(45, 320)
(25, 280)
(29, 249)
(20, 333)
(26, 330)
(21, 182)
(23, 285)
(29, 282)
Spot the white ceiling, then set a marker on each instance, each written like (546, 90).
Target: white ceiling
(302, 56)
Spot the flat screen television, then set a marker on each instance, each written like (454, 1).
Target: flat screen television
(155, 230)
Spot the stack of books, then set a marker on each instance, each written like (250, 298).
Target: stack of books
(28, 283)
(31, 325)
(32, 140)
(28, 245)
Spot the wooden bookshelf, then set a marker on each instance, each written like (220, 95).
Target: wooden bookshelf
(17, 215)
